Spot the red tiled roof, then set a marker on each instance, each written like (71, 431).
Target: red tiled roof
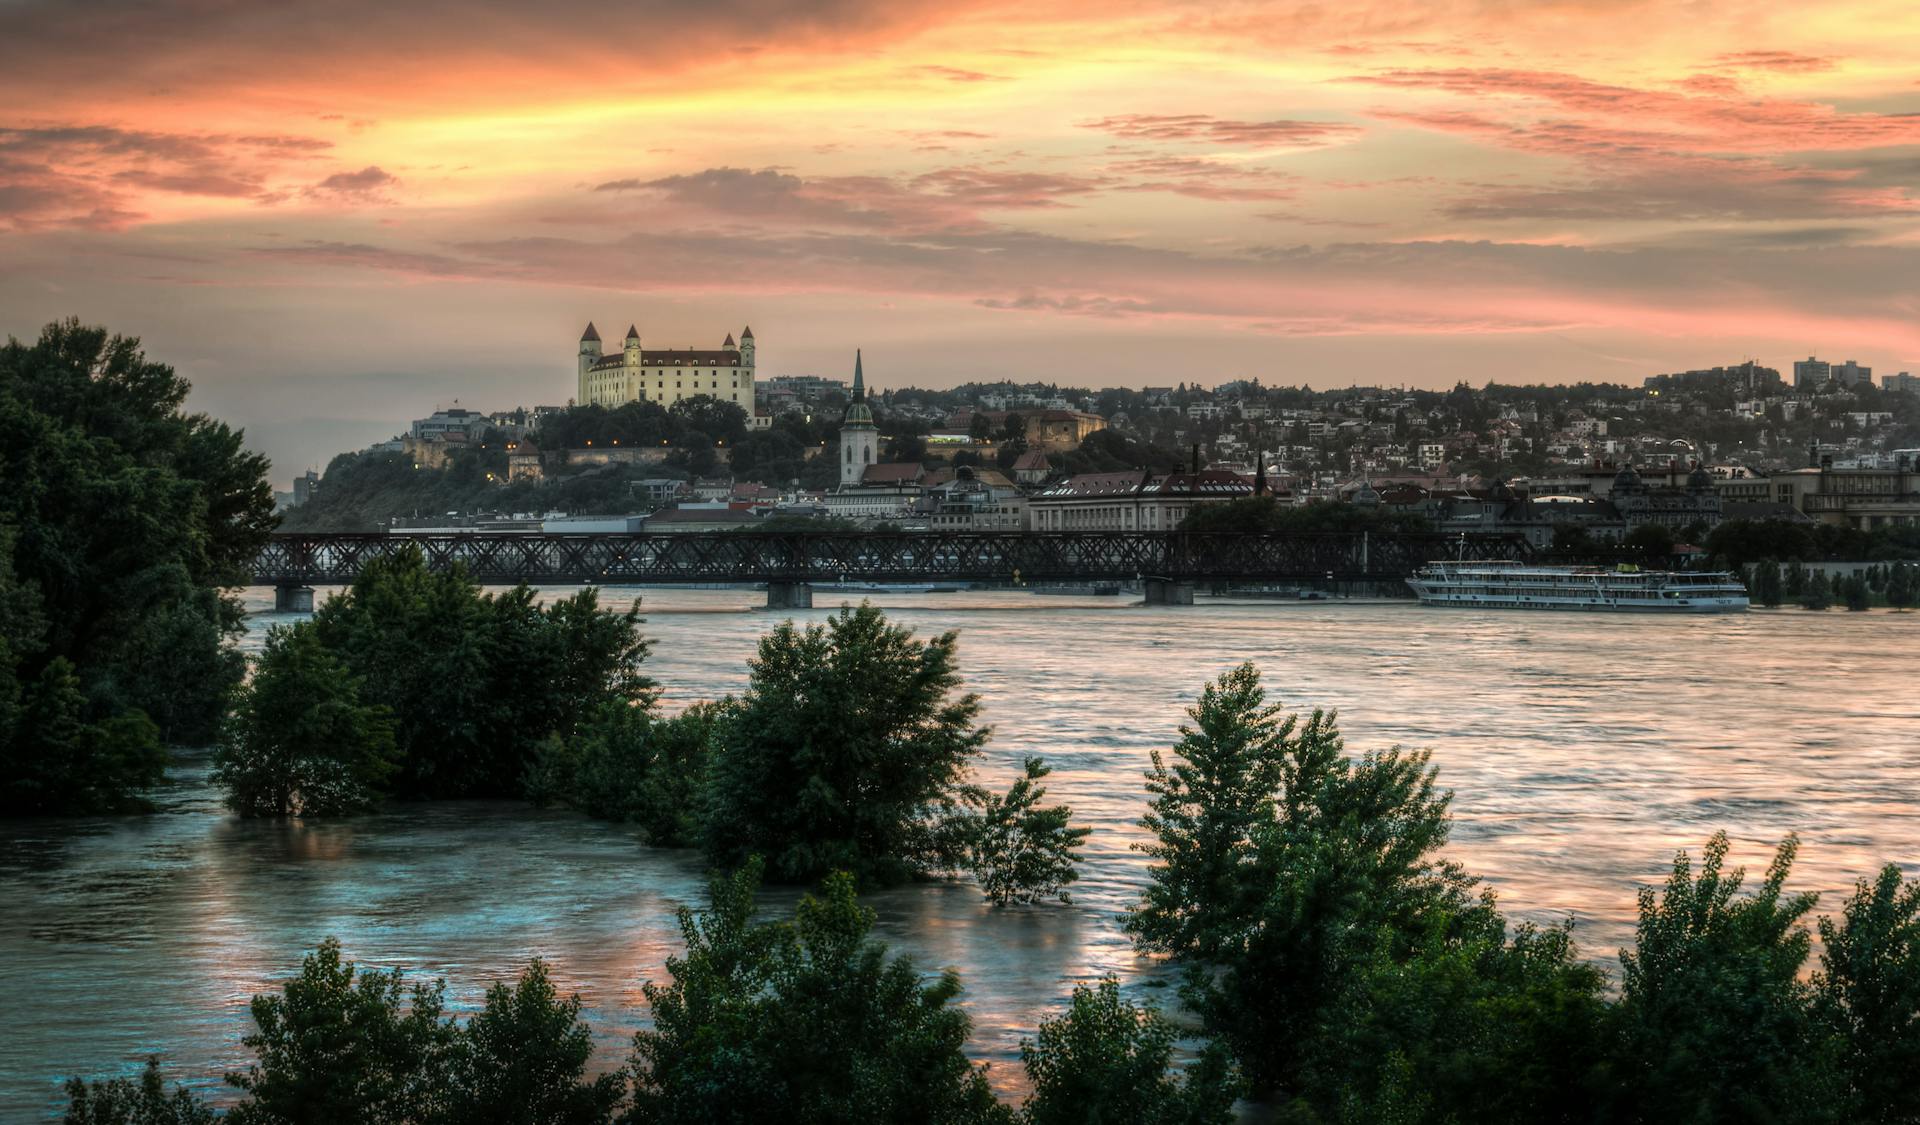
(1032, 460)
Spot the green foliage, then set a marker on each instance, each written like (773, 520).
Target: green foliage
(1285, 868)
(121, 518)
(1106, 1062)
(124, 1101)
(1715, 1024)
(1853, 590)
(1817, 593)
(848, 752)
(300, 741)
(523, 1061)
(1796, 580)
(1651, 539)
(57, 760)
(1869, 996)
(478, 682)
(1020, 851)
(1902, 581)
(632, 766)
(1268, 514)
(344, 1044)
(1767, 588)
(801, 1022)
(1482, 1026)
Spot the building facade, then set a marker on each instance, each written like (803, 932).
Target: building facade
(1131, 501)
(859, 437)
(667, 375)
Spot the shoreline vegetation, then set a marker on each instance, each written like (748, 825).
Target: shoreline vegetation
(1335, 965)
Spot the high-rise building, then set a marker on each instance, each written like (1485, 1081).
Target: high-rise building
(1811, 372)
(1902, 383)
(1851, 374)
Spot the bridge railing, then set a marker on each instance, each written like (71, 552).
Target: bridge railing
(751, 557)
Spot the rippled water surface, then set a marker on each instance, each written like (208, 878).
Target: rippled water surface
(1583, 751)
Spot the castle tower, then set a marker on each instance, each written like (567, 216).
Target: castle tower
(589, 354)
(746, 348)
(631, 356)
(859, 437)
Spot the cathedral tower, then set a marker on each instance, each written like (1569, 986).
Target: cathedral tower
(859, 437)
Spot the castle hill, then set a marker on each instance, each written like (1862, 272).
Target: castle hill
(1271, 564)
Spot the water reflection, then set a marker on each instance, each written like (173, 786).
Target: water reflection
(1584, 750)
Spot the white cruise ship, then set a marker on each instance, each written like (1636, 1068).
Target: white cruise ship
(1510, 585)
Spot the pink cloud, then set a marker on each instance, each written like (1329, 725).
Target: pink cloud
(1223, 131)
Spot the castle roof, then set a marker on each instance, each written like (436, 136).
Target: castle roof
(748, 334)
(683, 357)
(729, 341)
(633, 331)
(591, 333)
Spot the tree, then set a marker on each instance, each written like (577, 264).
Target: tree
(1817, 593)
(1206, 809)
(1286, 867)
(849, 751)
(630, 765)
(57, 761)
(1869, 995)
(1021, 852)
(523, 1060)
(300, 741)
(1766, 583)
(346, 1045)
(807, 1022)
(1901, 585)
(1715, 1024)
(477, 682)
(122, 1101)
(121, 521)
(1854, 590)
(1796, 580)
(1468, 1023)
(1106, 1062)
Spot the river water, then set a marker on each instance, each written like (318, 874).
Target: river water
(1583, 750)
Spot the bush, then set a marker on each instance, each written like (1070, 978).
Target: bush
(848, 752)
(1817, 593)
(1106, 1062)
(805, 1022)
(1020, 851)
(1767, 583)
(300, 741)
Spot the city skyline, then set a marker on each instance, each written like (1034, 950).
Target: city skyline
(333, 222)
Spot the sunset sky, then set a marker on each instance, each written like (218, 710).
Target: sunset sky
(335, 217)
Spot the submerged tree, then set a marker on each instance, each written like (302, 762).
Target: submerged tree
(122, 519)
(628, 764)
(807, 1022)
(849, 751)
(300, 742)
(1817, 593)
(1286, 867)
(1021, 851)
(1107, 1061)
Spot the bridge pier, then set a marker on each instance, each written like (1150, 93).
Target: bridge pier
(789, 595)
(1166, 591)
(293, 599)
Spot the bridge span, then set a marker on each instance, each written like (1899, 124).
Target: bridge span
(1168, 563)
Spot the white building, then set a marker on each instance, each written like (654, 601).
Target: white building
(666, 376)
(1131, 501)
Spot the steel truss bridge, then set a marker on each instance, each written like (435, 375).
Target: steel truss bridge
(748, 557)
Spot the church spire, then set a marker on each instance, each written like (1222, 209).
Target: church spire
(859, 380)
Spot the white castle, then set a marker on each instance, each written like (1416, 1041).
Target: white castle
(665, 376)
